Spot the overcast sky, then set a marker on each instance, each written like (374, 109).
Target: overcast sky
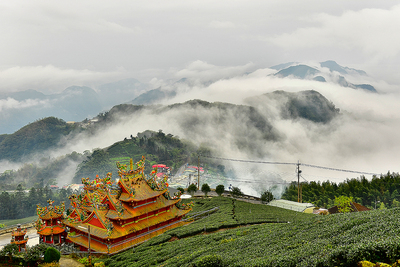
(49, 45)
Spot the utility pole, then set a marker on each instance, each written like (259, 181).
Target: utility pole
(90, 254)
(299, 193)
(198, 172)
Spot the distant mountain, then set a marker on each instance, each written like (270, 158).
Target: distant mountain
(333, 66)
(152, 97)
(119, 92)
(75, 103)
(335, 74)
(283, 65)
(298, 71)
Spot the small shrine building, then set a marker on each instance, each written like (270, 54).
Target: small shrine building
(18, 238)
(109, 218)
(49, 224)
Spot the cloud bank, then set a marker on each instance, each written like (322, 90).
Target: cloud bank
(362, 138)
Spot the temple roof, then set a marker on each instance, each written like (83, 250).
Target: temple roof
(18, 233)
(50, 212)
(124, 229)
(115, 211)
(112, 248)
(48, 230)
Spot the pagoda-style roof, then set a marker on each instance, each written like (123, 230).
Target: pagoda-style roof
(19, 232)
(116, 247)
(135, 211)
(49, 230)
(19, 242)
(127, 210)
(50, 212)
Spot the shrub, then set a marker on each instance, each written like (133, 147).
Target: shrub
(220, 189)
(35, 253)
(51, 255)
(210, 261)
(9, 250)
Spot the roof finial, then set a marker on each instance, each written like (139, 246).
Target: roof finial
(131, 164)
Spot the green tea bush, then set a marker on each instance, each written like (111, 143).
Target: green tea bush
(210, 261)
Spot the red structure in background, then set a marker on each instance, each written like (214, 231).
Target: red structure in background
(18, 238)
(48, 225)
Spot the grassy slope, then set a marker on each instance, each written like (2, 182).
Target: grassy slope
(308, 240)
(17, 221)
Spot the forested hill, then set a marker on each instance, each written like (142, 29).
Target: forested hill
(34, 138)
(159, 148)
(380, 191)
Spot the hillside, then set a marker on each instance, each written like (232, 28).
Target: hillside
(159, 148)
(287, 239)
(35, 138)
(309, 105)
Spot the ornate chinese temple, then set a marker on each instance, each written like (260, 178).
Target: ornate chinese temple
(49, 224)
(109, 218)
(18, 238)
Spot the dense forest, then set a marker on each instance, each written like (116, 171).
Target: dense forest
(158, 147)
(21, 204)
(380, 192)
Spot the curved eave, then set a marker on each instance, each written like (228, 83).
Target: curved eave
(48, 230)
(140, 197)
(20, 242)
(132, 212)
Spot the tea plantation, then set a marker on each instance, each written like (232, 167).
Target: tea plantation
(244, 234)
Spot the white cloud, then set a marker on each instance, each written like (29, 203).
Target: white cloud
(221, 24)
(11, 103)
(50, 78)
(370, 30)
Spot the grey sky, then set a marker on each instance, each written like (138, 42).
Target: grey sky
(49, 45)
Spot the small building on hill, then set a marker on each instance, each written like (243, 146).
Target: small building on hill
(18, 238)
(292, 205)
(354, 207)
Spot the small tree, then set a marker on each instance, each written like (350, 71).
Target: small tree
(266, 197)
(205, 188)
(51, 255)
(181, 189)
(343, 203)
(220, 189)
(236, 191)
(192, 189)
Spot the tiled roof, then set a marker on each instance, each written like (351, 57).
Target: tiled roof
(108, 208)
(134, 211)
(113, 248)
(48, 230)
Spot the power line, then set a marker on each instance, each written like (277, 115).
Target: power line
(291, 163)
(340, 170)
(251, 161)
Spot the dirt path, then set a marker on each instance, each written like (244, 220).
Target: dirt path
(68, 262)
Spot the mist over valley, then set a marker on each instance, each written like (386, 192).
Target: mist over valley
(280, 114)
